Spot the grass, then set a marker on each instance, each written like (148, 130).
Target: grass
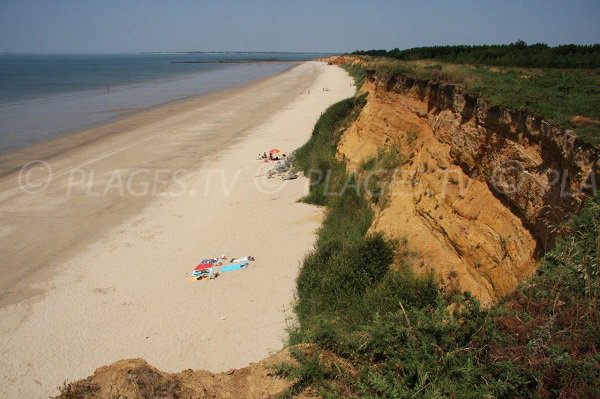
(513, 54)
(357, 73)
(394, 334)
(555, 94)
(310, 372)
(317, 158)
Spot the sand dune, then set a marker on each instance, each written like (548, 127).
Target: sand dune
(115, 235)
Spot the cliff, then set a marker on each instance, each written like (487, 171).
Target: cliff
(482, 190)
(479, 194)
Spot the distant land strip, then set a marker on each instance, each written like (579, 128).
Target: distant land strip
(252, 61)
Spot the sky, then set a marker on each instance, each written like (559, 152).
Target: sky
(114, 26)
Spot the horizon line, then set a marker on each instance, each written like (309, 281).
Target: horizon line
(7, 52)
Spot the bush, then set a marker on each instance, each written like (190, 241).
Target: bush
(317, 158)
(514, 54)
(406, 338)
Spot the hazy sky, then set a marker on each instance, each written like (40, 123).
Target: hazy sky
(303, 25)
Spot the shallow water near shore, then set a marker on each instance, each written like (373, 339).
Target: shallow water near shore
(44, 96)
(90, 279)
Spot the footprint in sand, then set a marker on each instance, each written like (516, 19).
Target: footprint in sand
(139, 222)
(103, 291)
(149, 234)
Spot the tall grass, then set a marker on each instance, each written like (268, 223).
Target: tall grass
(317, 158)
(555, 94)
(514, 54)
(357, 73)
(389, 333)
(401, 337)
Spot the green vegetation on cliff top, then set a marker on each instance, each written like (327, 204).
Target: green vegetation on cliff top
(381, 332)
(568, 96)
(518, 54)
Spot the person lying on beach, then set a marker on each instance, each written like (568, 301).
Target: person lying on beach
(242, 259)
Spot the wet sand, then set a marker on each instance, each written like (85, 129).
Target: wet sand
(95, 265)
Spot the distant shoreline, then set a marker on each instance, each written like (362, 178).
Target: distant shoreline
(45, 148)
(28, 121)
(105, 269)
(253, 61)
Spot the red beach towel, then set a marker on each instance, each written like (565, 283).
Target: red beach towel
(202, 266)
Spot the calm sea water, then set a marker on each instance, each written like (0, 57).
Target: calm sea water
(42, 96)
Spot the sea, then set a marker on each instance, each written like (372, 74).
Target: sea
(44, 96)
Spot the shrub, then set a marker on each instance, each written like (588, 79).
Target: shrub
(515, 54)
(317, 158)
(406, 338)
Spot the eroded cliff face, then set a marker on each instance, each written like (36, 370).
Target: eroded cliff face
(482, 190)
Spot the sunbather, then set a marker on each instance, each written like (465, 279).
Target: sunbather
(242, 259)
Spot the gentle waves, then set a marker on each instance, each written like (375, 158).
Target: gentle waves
(43, 96)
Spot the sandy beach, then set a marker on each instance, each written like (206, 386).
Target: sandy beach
(96, 260)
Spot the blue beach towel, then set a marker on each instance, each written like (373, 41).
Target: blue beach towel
(233, 267)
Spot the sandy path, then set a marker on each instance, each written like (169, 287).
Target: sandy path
(124, 293)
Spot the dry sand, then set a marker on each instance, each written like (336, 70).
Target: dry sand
(112, 264)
